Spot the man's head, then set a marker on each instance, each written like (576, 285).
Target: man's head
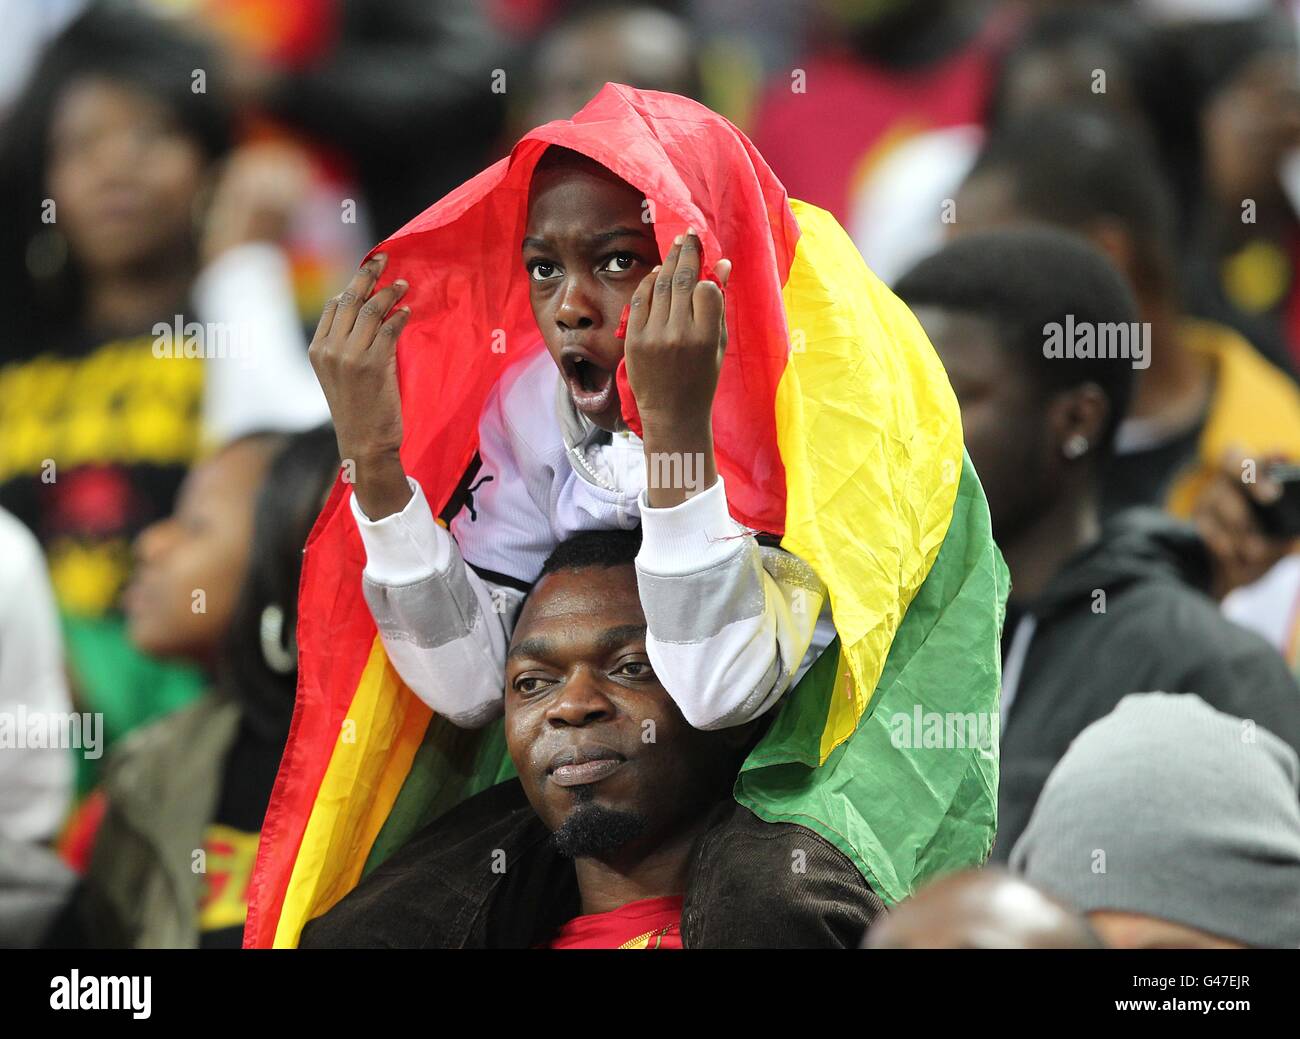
(1036, 426)
(980, 909)
(1172, 825)
(605, 757)
(1084, 171)
(586, 248)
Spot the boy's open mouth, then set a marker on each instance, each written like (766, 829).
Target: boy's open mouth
(590, 385)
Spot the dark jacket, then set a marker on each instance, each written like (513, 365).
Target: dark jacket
(1156, 630)
(486, 876)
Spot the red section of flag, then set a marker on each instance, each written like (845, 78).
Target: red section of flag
(468, 291)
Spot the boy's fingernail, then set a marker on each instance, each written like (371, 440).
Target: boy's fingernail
(402, 284)
(690, 231)
(380, 257)
(677, 240)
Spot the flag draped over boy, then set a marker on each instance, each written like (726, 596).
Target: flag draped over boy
(834, 428)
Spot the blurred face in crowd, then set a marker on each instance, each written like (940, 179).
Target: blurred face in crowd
(123, 176)
(1119, 930)
(586, 250)
(645, 48)
(1067, 75)
(604, 755)
(1002, 414)
(191, 565)
(986, 202)
(1249, 125)
(980, 909)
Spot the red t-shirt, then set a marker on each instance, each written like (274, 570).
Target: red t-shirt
(651, 923)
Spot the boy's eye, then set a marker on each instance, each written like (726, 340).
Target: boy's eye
(619, 263)
(542, 271)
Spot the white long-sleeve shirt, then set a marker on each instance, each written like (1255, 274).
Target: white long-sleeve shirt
(729, 623)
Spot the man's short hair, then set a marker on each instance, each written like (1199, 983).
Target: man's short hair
(1074, 168)
(1022, 280)
(594, 548)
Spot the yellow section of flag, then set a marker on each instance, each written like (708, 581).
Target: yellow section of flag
(870, 435)
(371, 759)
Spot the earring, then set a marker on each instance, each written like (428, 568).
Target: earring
(1075, 447)
(277, 658)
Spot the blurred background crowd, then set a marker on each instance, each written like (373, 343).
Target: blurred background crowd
(182, 172)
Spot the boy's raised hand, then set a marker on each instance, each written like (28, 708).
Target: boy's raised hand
(354, 354)
(676, 336)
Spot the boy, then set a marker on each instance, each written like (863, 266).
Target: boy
(728, 623)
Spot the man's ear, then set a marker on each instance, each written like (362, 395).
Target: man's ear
(1076, 419)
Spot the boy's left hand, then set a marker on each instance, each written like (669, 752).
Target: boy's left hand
(676, 337)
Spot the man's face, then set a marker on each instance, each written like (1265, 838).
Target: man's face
(599, 746)
(1002, 417)
(586, 249)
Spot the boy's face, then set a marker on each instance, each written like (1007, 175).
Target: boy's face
(586, 250)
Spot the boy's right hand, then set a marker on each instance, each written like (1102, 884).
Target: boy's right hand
(354, 354)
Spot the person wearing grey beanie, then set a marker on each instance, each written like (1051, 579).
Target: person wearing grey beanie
(1171, 824)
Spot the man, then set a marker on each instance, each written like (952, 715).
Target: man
(620, 831)
(1095, 611)
(981, 909)
(1203, 397)
(1172, 826)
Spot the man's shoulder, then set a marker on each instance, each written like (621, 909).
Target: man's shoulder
(1187, 645)
(760, 884)
(1188, 624)
(434, 890)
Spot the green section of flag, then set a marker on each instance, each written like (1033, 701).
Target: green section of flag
(901, 810)
(450, 765)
